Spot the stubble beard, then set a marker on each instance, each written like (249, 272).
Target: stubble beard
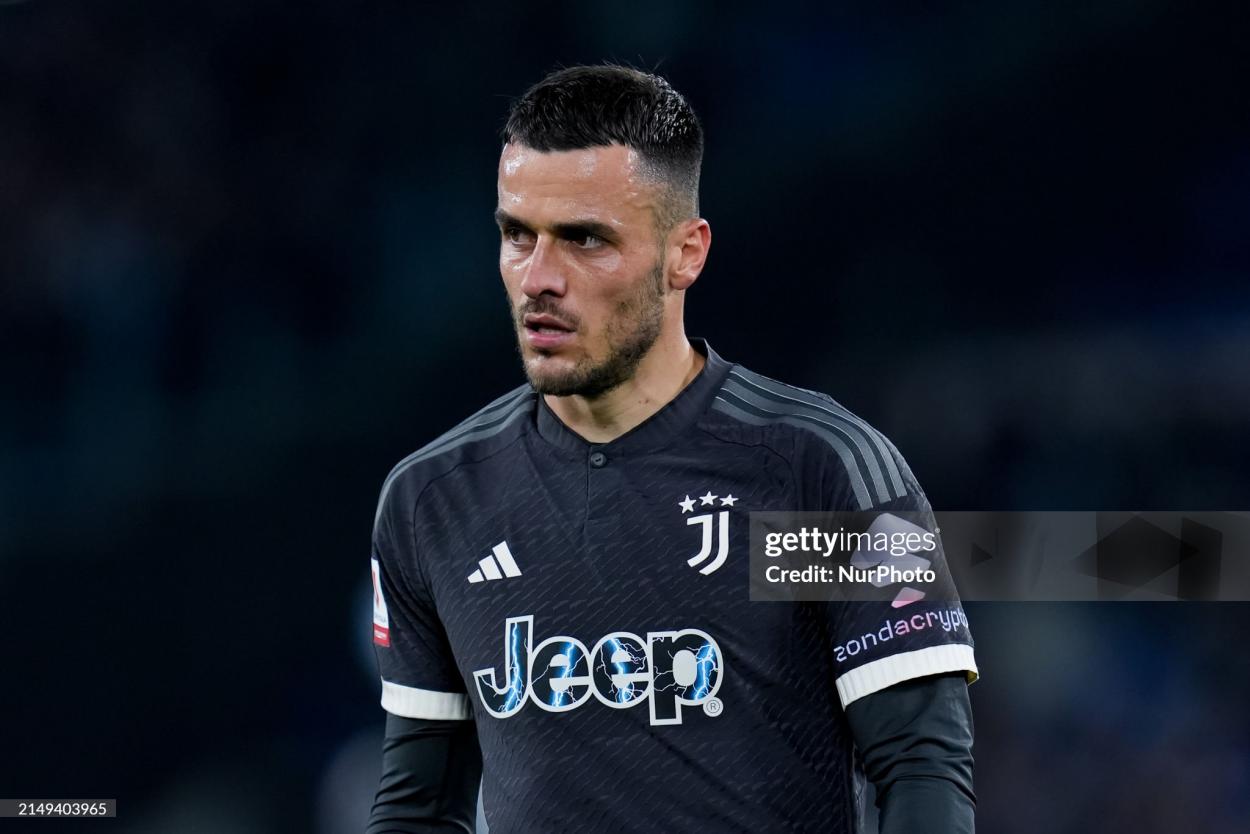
(630, 334)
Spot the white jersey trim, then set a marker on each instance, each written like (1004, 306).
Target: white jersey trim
(877, 675)
(410, 702)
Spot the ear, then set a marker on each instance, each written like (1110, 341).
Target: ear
(688, 244)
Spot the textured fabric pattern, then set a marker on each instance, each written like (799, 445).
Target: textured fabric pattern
(706, 712)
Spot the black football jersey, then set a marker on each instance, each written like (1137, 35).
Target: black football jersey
(586, 604)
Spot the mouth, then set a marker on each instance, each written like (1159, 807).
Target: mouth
(545, 332)
(545, 324)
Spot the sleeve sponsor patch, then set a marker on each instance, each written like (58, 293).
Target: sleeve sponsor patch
(381, 623)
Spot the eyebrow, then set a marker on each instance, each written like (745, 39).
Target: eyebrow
(570, 230)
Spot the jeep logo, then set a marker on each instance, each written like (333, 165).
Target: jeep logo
(669, 670)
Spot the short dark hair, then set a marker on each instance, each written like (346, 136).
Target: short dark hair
(595, 106)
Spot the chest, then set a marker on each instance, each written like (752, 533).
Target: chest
(591, 541)
(562, 582)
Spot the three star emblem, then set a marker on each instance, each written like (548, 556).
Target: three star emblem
(708, 500)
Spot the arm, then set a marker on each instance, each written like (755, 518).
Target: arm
(431, 762)
(430, 776)
(915, 739)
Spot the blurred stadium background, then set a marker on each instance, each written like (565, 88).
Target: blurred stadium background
(247, 263)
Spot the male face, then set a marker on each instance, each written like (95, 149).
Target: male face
(583, 264)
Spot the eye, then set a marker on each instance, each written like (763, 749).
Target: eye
(516, 235)
(587, 241)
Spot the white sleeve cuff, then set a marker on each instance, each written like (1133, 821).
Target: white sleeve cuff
(877, 675)
(410, 702)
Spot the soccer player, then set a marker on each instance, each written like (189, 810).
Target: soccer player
(561, 613)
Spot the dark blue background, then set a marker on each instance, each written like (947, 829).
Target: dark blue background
(247, 263)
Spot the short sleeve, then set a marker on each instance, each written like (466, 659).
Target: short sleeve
(419, 675)
(905, 633)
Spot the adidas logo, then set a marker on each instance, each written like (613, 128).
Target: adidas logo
(489, 568)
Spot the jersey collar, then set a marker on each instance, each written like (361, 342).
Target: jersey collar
(679, 414)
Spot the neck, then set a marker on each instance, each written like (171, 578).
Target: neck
(662, 374)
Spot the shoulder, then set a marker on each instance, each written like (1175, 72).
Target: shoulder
(823, 439)
(483, 433)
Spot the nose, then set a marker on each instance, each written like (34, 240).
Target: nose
(543, 273)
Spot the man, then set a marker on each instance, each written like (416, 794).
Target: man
(536, 596)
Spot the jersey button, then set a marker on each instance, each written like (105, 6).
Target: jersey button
(598, 459)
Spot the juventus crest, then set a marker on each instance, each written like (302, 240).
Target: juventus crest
(715, 528)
